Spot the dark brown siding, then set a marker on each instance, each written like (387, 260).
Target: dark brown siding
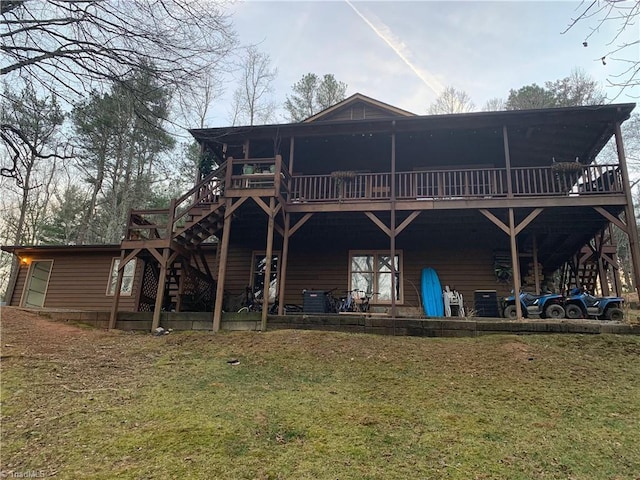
(358, 111)
(463, 270)
(17, 291)
(79, 280)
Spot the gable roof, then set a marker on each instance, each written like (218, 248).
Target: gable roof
(358, 107)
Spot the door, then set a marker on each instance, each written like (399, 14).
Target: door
(37, 283)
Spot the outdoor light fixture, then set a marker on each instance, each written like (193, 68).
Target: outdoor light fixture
(25, 260)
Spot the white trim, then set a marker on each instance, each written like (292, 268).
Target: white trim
(375, 254)
(111, 272)
(27, 282)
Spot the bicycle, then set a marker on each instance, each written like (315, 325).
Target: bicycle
(349, 303)
(251, 302)
(332, 301)
(365, 301)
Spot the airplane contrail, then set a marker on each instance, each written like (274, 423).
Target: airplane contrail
(397, 46)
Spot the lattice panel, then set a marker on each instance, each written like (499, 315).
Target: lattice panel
(149, 288)
(198, 291)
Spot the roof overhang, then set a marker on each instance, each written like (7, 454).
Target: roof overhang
(584, 130)
(550, 116)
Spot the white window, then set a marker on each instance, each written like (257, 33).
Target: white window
(370, 272)
(258, 270)
(127, 277)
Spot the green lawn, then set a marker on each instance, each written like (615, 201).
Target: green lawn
(319, 405)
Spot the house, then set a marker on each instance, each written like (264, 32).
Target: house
(365, 195)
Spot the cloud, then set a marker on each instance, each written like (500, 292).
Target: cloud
(399, 48)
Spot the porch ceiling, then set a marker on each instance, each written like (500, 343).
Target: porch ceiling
(559, 231)
(535, 137)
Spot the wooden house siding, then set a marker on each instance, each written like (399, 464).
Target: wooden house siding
(19, 286)
(79, 280)
(357, 111)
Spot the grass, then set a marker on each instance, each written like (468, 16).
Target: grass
(325, 405)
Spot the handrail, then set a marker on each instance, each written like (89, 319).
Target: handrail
(205, 180)
(451, 184)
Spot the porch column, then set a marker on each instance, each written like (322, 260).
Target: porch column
(162, 280)
(282, 278)
(292, 144)
(222, 267)
(116, 295)
(267, 272)
(536, 271)
(632, 228)
(515, 263)
(393, 224)
(507, 160)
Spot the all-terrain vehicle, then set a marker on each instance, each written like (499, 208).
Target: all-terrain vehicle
(581, 304)
(548, 305)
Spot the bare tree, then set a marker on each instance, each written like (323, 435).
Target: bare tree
(251, 100)
(69, 47)
(34, 123)
(195, 100)
(451, 101)
(624, 16)
(494, 105)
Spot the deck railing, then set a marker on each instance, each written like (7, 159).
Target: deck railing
(348, 186)
(447, 184)
(566, 179)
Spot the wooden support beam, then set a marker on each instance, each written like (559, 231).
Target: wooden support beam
(232, 207)
(282, 279)
(300, 223)
(162, 280)
(515, 263)
(530, 218)
(267, 271)
(412, 216)
(157, 255)
(632, 229)
(222, 271)
(129, 257)
(507, 160)
(495, 220)
(116, 295)
(262, 205)
(613, 219)
(379, 223)
(392, 230)
(536, 270)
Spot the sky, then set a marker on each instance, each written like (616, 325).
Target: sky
(406, 53)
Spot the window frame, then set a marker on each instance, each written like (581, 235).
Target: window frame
(113, 278)
(376, 253)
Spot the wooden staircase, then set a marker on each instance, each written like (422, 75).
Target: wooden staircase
(591, 265)
(175, 235)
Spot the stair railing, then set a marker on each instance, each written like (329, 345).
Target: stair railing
(207, 191)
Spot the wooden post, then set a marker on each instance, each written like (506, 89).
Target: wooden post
(116, 295)
(282, 278)
(632, 228)
(162, 280)
(392, 233)
(222, 268)
(602, 269)
(536, 271)
(292, 145)
(515, 263)
(507, 160)
(269, 256)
